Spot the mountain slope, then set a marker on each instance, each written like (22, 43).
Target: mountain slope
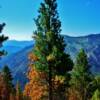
(18, 61)
(13, 46)
(90, 43)
(18, 64)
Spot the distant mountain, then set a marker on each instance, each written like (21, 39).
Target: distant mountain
(18, 43)
(18, 61)
(13, 46)
(18, 64)
(90, 43)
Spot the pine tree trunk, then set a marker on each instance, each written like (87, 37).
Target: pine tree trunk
(50, 84)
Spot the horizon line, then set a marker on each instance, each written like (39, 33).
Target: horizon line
(31, 39)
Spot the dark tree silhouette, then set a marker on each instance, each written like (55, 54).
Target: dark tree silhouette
(2, 38)
(8, 79)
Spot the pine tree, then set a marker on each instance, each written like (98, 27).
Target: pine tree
(81, 77)
(48, 53)
(7, 77)
(1, 86)
(19, 95)
(3, 90)
(12, 96)
(4, 93)
(2, 38)
(96, 88)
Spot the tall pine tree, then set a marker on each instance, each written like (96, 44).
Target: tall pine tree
(48, 53)
(81, 77)
(7, 77)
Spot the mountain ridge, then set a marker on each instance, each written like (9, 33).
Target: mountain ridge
(18, 61)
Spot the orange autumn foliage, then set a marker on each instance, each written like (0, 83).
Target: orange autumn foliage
(37, 87)
(32, 57)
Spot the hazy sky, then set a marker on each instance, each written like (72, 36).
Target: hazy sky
(79, 17)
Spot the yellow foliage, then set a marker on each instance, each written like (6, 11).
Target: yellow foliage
(50, 57)
(59, 79)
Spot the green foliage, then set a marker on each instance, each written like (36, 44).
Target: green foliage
(19, 95)
(49, 44)
(18, 89)
(81, 77)
(96, 95)
(95, 84)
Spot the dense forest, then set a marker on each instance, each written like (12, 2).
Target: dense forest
(52, 74)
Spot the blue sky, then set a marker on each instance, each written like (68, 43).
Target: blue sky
(78, 17)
